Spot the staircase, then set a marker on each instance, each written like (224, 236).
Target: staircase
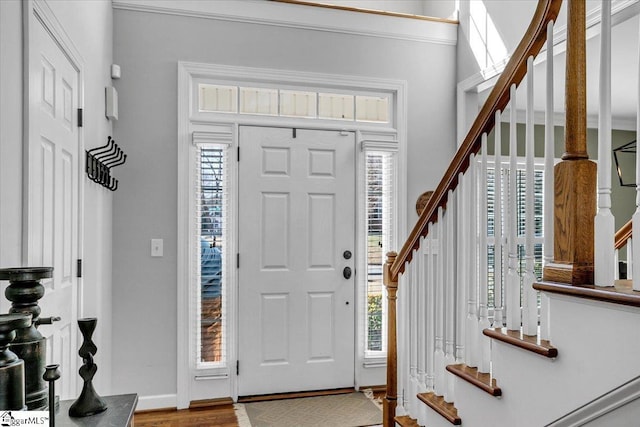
(474, 336)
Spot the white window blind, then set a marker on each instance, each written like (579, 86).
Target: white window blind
(380, 196)
(223, 99)
(210, 266)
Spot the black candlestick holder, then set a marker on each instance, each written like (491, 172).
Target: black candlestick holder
(89, 402)
(51, 374)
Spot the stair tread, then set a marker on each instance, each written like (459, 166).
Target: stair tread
(527, 342)
(620, 293)
(483, 381)
(437, 403)
(406, 421)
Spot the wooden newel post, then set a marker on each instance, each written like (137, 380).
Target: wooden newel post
(391, 397)
(575, 177)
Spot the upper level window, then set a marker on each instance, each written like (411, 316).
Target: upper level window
(308, 104)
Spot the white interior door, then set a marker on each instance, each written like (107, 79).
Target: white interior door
(52, 194)
(296, 213)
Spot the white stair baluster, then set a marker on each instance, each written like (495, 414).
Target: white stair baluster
(530, 295)
(450, 283)
(497, 290)
(634, 245)
(604, 220)
(401, 311)
(484, 342)
(430, 306)
(472, 336)
(549, 156)
(512, 288)
(461, 270)
(422, 306)
(630, 259)
(439, 352)
(413, 337)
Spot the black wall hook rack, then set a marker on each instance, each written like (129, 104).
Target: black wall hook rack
(100, 160)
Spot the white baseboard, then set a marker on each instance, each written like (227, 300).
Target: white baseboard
(161, 401)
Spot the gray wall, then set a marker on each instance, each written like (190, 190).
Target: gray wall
(148, 47)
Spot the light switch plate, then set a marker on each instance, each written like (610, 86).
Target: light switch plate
(157, 247)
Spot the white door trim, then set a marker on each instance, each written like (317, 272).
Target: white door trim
(189, 120)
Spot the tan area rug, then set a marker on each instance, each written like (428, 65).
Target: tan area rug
(343, 410)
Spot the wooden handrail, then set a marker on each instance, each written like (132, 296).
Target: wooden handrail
(623, 235)
(530, 45)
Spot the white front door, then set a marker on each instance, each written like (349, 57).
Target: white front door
(52, 195)
(296, 222)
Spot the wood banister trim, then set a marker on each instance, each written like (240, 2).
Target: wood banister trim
(391, 396)
(623, 235)
(514, 72)
(370, 11)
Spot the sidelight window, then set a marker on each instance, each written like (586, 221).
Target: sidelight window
(210, 266)
(380, 192)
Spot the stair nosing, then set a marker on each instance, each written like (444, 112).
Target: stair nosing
(543, 348)
(436, 406)
(459, 370)
(613, 295)
(405, 421)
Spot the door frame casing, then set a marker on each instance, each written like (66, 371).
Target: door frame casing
(39, 10)
(222, 381)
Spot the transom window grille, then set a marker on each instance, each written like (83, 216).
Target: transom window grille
(321, 105)
(211, 271)
(380, 172)
(520, 221)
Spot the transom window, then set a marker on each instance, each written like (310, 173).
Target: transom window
(321, 105)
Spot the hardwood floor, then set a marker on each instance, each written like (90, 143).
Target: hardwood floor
(219, 416)
(212, 416)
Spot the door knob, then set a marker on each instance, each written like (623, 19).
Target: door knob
(346, 272)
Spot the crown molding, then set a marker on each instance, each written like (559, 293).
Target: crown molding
(296, 16)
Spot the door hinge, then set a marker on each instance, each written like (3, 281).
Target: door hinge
(80, 117)
(238, 153)
(79, 268)
(237, 367)
(238, 260)
(295, 133)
